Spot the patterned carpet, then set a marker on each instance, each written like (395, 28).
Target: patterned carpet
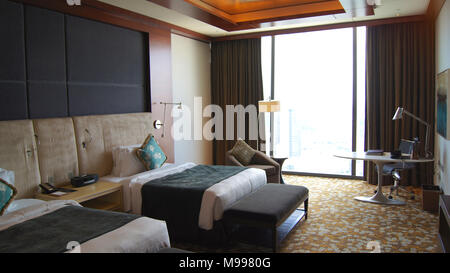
(338, 223)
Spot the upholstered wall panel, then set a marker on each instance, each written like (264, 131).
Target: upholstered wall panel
(46, 66)
(97, 135)
(47, 99)
(57, 151)
(13, 100)
(13, 92)
(58, 65)
(103, 100)
(45, 42)
(107, 68)
(18, 153)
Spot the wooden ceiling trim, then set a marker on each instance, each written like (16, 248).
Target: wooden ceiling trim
(396, 20)
(434, 7)
(277, 13)
(352, 8)
(307, 10)
(196, 13)
(212, 10)
(233, 7)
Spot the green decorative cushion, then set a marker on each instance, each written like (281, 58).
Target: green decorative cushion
(243, 152)
(7, 194)
(151, 154)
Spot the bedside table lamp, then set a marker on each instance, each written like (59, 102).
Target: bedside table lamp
(269, 106)
(399, 115)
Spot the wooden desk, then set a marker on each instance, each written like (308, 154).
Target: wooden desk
(100, 195)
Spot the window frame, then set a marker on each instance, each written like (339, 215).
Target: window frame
(354, 112)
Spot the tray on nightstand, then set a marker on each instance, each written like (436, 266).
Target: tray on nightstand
(100, 195)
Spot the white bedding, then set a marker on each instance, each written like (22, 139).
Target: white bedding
(216, 199)
(125, 181)
(141, 235)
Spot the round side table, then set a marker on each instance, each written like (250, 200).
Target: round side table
(280, 160)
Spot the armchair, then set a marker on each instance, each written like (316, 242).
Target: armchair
(259, 161)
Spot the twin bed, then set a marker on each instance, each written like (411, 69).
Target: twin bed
(59, 226)
(177, 194)
(38, 149)
(65, 226)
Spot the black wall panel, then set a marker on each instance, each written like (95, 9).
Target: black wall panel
(56, 65)
(47, 100)
(46, 65)
(13, 101)
(105, 71)
(13, 91)
(98, 52)
(105, 99)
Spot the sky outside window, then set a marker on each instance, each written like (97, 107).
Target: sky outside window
(314, 82)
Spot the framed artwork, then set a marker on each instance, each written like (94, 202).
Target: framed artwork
(443, 117)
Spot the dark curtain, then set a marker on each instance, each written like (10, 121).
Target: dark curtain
(236, 79)
(400, 73)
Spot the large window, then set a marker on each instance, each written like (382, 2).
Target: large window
(319, 77)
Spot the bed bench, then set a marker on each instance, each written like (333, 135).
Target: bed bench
(273, 207)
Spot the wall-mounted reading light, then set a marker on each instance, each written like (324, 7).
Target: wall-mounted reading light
(157, 124)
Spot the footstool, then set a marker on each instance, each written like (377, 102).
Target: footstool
(269, 207)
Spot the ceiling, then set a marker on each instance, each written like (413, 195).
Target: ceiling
(184, 14)
(249, 12)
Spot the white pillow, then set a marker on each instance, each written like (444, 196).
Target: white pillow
(22, 203)
(125, 161)
(8, 176)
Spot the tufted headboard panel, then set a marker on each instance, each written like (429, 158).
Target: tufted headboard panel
(57, 150)
(18, 153)
(97, 135)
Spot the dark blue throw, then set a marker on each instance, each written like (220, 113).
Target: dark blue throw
(50, 233)
(177, 198)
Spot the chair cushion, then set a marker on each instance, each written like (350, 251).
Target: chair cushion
(388, 168)
(243, 152)
(269, 204)
(269, 169)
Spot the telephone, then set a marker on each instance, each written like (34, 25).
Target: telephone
(79, 181)
(47, 188)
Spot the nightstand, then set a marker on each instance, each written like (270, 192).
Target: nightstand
(100, 195)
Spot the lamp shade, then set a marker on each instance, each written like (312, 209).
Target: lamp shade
(269, 106)
(398, 114)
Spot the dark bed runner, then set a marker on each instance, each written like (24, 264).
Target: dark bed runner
(177, 198)
(50, 233)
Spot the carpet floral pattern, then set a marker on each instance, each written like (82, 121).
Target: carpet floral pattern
(337, 223)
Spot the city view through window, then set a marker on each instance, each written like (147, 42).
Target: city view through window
(313, 80)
